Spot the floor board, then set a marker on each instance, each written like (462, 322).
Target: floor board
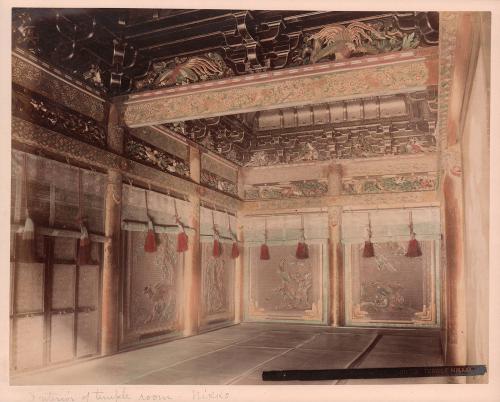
(238, 355)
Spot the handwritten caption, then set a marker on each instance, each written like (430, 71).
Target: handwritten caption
(123, 394)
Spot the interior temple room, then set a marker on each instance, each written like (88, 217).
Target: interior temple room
(201, 195)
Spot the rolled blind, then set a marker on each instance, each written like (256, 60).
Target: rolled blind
(221, 222)
(160, 206)
(390, 224)
(286, 227)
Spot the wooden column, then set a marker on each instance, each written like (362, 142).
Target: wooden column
(335, 247)
(111, 261)
(239, 290)
(239, 283)
(456, 353)
(192, 263)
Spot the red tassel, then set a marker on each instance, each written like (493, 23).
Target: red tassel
(302, 252)
(217, 250)
(235, 251)
(150, 244)
(368, 250)
(264, 252)
(413, 249)
(182, 242)
(83, 257)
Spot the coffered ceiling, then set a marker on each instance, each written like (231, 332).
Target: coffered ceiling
(127, 54)
(119, 51)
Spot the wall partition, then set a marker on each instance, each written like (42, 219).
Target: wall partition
(217, 268)
(152, 281)
(55, 302)
(281, 285)
(391, 264)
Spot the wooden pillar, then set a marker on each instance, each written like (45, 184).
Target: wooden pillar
(239, 283)
(112, 229)
(335, 247)
(192, 263)
(456, 353)
(239, 290)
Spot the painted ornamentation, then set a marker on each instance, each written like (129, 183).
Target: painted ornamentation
(46, 113)
(393, 288)
(146, 153)
(217, 284)
(284, 287)
(305, 188)
(183, 70)
(315, 89)
(218, 183)
(35, 79)
(340, 42)
(391, 183)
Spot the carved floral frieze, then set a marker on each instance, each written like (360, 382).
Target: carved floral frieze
(314, 89)
(304, 188)
(35, 79)
(148, 154)
(218, 183)
(240, 43)
(390, 183)
(46, 113)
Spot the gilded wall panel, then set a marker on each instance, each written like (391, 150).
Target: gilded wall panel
(152, 299)
(284, 287)
(391, 288)
(217, 278)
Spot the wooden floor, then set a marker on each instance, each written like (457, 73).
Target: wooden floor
(239, 354)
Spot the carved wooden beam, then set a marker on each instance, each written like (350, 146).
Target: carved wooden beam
(383, 200)
(39, 77)
(387, 73)
(43, 139)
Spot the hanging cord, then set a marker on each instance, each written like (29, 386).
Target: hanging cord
(147, 206)
(216, 233)
(26, 186)
(369, 227)
(231, 233)
(265, 230)
(176, 214)
(412, 233)
(80, 202)
(303, 237)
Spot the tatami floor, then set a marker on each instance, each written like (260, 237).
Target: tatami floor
(238, 355)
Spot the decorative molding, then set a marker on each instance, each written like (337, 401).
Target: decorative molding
(184, 70)
(223, 135)
(218, 183)
(219, 167)
(148, 154)
(44, 112)
(357, 38)
(390, 183)
(118, 54)
(162, 140)
(355, 82)
(45, 140)
(448, 42)
(376, 200)
(293, 189)
(36, 79)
